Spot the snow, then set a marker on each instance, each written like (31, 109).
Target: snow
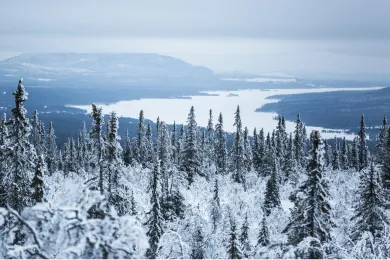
(249, 100)
(262, 80)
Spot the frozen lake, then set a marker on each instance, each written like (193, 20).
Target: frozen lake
(222, 101)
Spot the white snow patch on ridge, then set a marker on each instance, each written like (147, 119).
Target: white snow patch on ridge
(275, 80)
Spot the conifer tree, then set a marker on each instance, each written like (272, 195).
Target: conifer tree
(197, 250)
(215, 206)
(60, 161)
(37, 182)
(149, 144)
(299, 141)
(344, 155)
(127, 156)
(370, 213)
(173, 144)
(233, 248)
(289, 166)
(237, 151)
(133, 205)
(272, 198)
(98, 143)
(310, 217)
(255, 151)
(269, 157)
(336, 156)
(244, 238)
(140, 149)
(210, 153)
(263, 236)
(155, 220)
(114, 162)
(85, 143)
(281, 138)
(261, 151)
(327, 153)
(40, 145)
(3, 156)
(190, 161)
(386, 166)
(363, 150)
(21, 160)
(220, 146)
(380, 147)
(354, 161)
(51, 158)
(35, 129)
(248, 156)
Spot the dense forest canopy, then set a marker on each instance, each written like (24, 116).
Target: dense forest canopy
(184, 192)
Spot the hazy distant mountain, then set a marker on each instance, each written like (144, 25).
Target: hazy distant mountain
(128, 66)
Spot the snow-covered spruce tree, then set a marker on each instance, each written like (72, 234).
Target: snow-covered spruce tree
(3, 157)
(202, 148)
(190, 158)
(370, 213)
(97, 144)
(344, 155)
(140, 149)
(248, 156)
(299, 142)
(233, 244)
(380, 147)
(133, 205)
(272, 198)
(174, 153)
(246, 247)
(281, 138)
(117, 194)
(220, 147)
(261, 151)
(216, 213)
(237, 151)
(127, 151)
(37, 184)
(263, 235)
(156, 148)
(52, 153)
(289, 165)
(327, 153)
(336, 156)
(149, 144)
(197, 248)
(85, 146)
(363, 150)
(310, 220)
(210, 152)
(20, 154)
(155, 220)
(164, 154)
(386, 166)
(269, 157)
(255, 151)
(172, 201)
(354, 160)
(40, 146)
(35, 129)
(180, 140)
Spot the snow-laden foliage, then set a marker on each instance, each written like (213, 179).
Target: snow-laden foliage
(183, 192)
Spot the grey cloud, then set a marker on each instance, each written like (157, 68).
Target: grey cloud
(199, 18)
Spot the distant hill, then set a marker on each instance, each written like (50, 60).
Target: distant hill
(47, 67)
(338, 109)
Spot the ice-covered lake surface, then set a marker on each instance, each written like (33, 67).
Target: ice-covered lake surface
(219, 101)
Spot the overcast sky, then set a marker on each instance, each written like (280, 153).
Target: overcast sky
(245, 35)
